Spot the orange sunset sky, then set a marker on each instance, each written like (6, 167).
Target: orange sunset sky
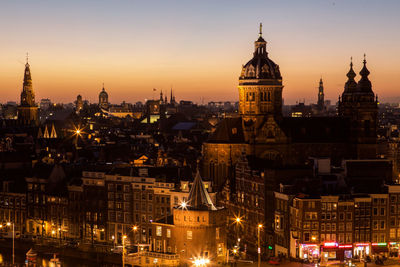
(197, 47)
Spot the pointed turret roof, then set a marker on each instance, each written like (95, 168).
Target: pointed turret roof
(364, 85)
(351, 84)
(199, 199)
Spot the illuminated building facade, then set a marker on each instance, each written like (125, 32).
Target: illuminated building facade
(263, 132)
(195, 231)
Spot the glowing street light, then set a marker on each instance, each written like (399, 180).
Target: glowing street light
(123, 250)
(201, 262)
(259, 226)
(183, 205)
(13, 254)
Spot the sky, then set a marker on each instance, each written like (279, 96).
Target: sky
(195, 47)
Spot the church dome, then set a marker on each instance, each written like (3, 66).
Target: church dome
(260, 67)
(103, 94)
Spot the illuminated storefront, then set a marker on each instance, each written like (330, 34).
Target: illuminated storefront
(309, 251)
(361, 250)
(335, 251)
(380, 248)
(394, 249)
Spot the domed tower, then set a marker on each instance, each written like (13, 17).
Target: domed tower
(27, 110)
(103, 99)
(260, 89)
(360, 104)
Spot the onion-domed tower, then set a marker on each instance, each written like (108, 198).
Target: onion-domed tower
(260, 89)
(103, 99)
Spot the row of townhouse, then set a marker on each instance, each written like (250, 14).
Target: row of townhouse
(104, 208)
(337, 227)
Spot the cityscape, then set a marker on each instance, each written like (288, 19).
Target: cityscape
(214, 158)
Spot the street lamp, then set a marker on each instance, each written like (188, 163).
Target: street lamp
(259, 226)
(238, 221)
(183, 205)
(13, 255)
(123, 250)
(201, 262)
(134, 229)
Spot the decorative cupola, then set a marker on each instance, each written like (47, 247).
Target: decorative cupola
(351, 85)
(364, 85)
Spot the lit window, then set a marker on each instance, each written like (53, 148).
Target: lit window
(169, 233)
(189, 235)
(159, 231)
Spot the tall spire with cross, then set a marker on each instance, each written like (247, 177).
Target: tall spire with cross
(27, 110)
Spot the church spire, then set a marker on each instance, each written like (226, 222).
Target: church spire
(260, 33)
(364, 85)
(351, 84)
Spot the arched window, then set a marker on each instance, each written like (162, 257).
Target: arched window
(269, 96)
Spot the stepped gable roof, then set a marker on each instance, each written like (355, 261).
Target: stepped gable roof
(226, 133)
(199, 199)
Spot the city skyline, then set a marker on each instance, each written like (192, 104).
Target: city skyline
(196, 49)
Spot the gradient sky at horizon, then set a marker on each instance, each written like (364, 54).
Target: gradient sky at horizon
(197, 47)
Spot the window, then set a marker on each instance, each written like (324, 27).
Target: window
(375, 225)
(392, 233)
(217, 233)
(341, 226)
(158, 231)
(328, 227)
(341, 216)
(382, 211)
(306, 237)
(189, 235)
(383, 225)
(349, 226)
(348, 216)
(168, 233)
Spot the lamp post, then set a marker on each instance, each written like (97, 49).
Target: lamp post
(238, 221)
(259, 226)
(13, 255)
(123, 250)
